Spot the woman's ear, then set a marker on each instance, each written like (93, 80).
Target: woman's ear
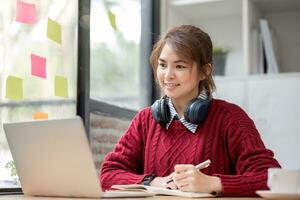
(207, 70)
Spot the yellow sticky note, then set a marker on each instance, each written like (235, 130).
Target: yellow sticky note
(112, 19)
(54, 31)
(61, 86)
(14, 88)
(40, 115)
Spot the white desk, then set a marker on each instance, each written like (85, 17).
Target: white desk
(22, 197)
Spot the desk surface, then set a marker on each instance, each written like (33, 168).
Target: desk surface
(22, 197)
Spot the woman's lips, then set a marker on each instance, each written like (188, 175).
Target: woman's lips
(171, 85)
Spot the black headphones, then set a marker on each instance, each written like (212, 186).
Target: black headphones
(195, 111)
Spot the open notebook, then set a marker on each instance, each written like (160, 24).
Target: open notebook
(160, 191)
(53, 158)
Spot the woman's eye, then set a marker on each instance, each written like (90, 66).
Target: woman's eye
(162, 65)
(180, 67)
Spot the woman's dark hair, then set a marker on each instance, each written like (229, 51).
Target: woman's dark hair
(193, 44)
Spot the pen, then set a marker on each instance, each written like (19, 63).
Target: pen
(203, 164)
(200, 166)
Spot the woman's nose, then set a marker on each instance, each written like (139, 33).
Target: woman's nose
(169, 73)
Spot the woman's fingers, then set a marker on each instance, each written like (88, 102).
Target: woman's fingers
(172, 186)
(182, 175)
(185, 176)
(182, 178)
(182, 182)
(182, 168)
(186, 188)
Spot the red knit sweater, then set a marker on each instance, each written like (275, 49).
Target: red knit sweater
(227, 137)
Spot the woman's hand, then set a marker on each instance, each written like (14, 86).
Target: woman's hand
(164, 182)
(188, 178)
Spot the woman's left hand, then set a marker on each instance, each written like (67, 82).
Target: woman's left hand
(189, 179)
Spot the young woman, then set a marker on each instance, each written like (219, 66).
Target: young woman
(165, 142)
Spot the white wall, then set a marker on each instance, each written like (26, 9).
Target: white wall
(274, 104)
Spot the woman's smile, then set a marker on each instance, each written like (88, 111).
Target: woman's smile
(171, 85)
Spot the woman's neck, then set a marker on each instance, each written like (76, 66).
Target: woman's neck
(180, 105)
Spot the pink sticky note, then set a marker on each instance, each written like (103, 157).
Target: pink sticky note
(38, 66)
(26, 12)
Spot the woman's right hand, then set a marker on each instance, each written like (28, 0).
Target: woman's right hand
(164, 182)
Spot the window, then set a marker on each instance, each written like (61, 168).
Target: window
(115, 40)
(115, 31)
(117, 84)
(38, 67)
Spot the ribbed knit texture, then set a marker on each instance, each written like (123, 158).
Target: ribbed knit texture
(227, 137)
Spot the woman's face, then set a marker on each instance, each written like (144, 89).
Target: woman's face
(178, 77)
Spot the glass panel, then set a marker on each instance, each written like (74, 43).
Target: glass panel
(115, 39)
(38, 67)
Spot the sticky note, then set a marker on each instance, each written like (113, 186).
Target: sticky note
(54, 31)
(38, 66)
(40, 115)
(14, 88)
(26, 12)
(61, 86)
(112, 19)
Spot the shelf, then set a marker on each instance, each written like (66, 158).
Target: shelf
(221, 19)
(282, 17)
(285, 75)
(196, 9)
(233, 24)
(271, 6)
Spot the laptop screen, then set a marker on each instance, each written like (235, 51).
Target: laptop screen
(53, 158)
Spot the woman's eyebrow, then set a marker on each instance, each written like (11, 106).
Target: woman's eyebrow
(181, 61)
(177, 61)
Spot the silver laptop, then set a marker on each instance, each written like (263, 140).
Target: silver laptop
(53, 158)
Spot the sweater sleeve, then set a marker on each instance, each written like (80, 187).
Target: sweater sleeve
(124, 164)
(249, 156)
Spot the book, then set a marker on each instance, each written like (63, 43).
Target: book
(161, 191)
(268, 44)
(257, 54)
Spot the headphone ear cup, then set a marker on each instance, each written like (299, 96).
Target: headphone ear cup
(155, 108)
(196, 110)
(165, 110)
(161, 111)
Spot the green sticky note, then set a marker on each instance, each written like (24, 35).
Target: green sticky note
(61, 86)
(54, 31)
(112, 19)
(14, 88)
